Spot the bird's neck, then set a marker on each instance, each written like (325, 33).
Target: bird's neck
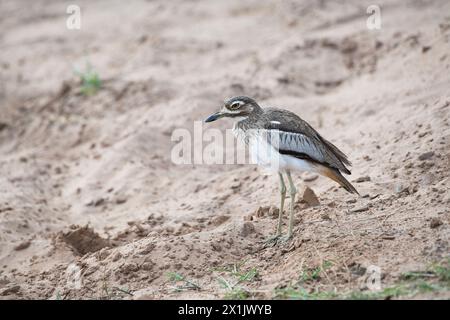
(249, 122)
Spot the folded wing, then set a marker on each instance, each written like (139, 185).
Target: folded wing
(300, 140)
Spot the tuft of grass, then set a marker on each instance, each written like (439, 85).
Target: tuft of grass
(436, 278)
(237, 276)
(108, 292)
(247, 276)
(442, 271)
(437, 271)
(181, 282)
(233, 292)
(237, 294)
(314, 274)
(90, 81)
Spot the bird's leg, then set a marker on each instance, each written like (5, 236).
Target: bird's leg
(293, 191)
(274, 239)
(283, 197)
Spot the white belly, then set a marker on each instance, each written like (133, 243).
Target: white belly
(263, 154)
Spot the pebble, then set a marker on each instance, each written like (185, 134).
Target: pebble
(217, 221)
(22, 245)
(360, 209)
(426, 155)
(309, 197)
(96, 203)
(274, 212)
(121, 200)
(362, 179)
(117, 256)
(216, 247)
(435, 222)
(261, 211)
(236, 186)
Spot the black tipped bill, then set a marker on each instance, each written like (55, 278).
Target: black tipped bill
(214, 117)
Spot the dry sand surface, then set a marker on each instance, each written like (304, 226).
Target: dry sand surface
(91, 205)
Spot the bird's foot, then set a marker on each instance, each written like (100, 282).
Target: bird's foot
(276, 240)
(286, 239)
(272, 241)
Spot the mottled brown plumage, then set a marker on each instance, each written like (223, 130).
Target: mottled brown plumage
(298, 145)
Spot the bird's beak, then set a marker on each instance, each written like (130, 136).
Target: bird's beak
(215, 116)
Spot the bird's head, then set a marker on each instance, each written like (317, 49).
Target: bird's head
(236, 107)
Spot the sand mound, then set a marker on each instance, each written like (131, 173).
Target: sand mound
(83, 240)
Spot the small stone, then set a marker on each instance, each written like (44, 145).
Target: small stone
(362, 179)
(360, 209)
(274, 212)
(3, 126)
(102, 254)
(260, 212)
(129, 268)
(142, 38)
(426, 155)
(247, 229)
(309, 197)
(121, 200)
(435, 222)
(425, 49)
(22, 245)
(117, 256)
(217, 221)
(216, 247)
(96, 203)
(236, 186)
(148, 266)
(331, 204)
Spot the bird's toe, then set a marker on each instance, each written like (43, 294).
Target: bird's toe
(272, 241)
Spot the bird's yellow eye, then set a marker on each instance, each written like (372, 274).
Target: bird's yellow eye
(235, 105)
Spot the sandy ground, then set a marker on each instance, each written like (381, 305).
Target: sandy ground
(91, 205)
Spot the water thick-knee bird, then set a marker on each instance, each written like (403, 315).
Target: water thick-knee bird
(281, 140)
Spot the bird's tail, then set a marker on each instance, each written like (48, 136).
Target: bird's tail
(335, 175)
